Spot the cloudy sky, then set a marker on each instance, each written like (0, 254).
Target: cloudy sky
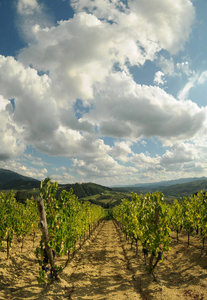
(107, 91)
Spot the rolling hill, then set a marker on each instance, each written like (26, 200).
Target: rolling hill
(10, 180)
(182, 189)
(13, 180)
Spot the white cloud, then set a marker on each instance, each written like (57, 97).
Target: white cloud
(104, 169)
(186, 158)
(31, 14)
(128, 110)
(164, 21)
(27, 7)
(169, 22)
(3, 103)
(202, 78)
(65, 177)
(35, 109)
(121, 150)
(87, 50)
(82, 46)
(35, 160)
(143, 161)
(179, 154)
(166, 65)
(121, 108)
(88, 46)
(194, 80)
(159, 78)
(20, 166)
(183, 94)
(10, 133)
(89, 57)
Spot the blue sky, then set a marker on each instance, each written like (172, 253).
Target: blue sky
(111, 92)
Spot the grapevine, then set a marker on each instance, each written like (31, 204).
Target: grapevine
(146, 218)
(67, 220)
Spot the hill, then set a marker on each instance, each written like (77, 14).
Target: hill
(12, 180)
(82, 190)
(174, 190)
(185, 189)
(27, 186)
(165, 183)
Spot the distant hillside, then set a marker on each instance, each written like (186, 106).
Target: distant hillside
(166, 182)
(176, 190)
(185, 189)
(82, 190)
(12, 180)
(20, 185)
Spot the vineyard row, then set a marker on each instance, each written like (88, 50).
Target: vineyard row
(146, 220)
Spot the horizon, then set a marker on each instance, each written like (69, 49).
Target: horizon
(110, 92)
(131, 185)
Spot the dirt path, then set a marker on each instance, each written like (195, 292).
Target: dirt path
(106, 268)
(103, 271)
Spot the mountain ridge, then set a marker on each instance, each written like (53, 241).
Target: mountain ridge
(10, 180)
(8, 176)
(170, 182)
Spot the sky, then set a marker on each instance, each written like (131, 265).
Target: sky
(104, 91)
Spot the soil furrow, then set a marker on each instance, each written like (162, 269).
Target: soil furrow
(103, 271)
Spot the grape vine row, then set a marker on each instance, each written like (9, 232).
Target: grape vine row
(149, 220)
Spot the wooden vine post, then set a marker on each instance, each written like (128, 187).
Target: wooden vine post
(44, 229)
(156, 221)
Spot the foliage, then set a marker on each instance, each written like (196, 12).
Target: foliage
(16, 218)
(67, 220)
(191, 214)
(146, 218)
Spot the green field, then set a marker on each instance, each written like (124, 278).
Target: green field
(107, 199)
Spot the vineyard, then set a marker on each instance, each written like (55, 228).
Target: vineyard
(61, 248)
(149, 220)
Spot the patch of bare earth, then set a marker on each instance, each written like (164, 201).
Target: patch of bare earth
(107, 268)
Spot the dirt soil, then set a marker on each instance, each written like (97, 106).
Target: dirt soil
(107, 268)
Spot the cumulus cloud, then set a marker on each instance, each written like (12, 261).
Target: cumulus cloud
(88, 46)
(3, 103)
(88, 59)
(64, 177)
(34, 160)
(31, 14)
(167, 65)
(179, 153)
(146, 162)
(128, 110)
(166, 22)
(159, 78)
(27, 7)
(104, 169)
(171, 21)
(10, 134)
(35, 109)
(11, 144)
(121, 150)
(186, 159)
(81, 45)
(87, 50)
